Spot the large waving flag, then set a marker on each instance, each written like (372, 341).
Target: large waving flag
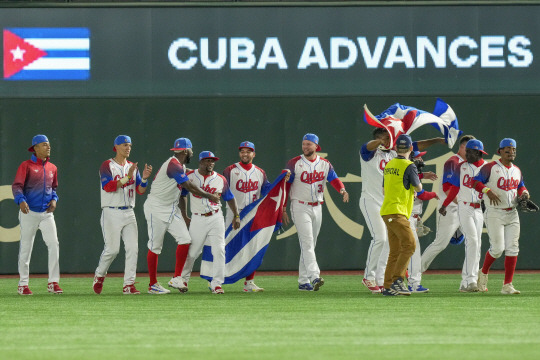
(246, 246)
(401, 119)
(46, 53)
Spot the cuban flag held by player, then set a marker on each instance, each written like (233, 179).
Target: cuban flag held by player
(401, 119)
(246, 246)
(46, 53)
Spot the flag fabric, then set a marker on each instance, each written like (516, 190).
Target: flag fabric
(246, 246)
(46, 53)
(401, 119)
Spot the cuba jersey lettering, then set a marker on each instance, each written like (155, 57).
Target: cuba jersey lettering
(166, 187)
(463, 177)
(246, 185)
(372, 165)
(110, 173)
(213, 184)
(309, 177)
(503, 181)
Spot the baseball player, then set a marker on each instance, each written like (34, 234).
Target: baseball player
(448, 224)
(34, 190)
(207, 224)
(502, 182)
(120, 179)
(374, 155)
(246, 182)
(469, 210)
(163, 214)
(309, 173)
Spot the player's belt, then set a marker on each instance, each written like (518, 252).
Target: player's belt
(208, 213)
(473, 205)
(508, 209)
(120, 207)
(311, 203)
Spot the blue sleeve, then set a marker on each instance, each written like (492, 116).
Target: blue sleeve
(331, 174)
(290, 166)
(415, 146)
(55, 196)
(483, 174)
(455, 176)
(184, 192)
(227, 195)
(138, 179)
(448, 170)
(365, 154)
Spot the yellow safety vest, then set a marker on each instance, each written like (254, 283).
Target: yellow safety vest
(397, 199)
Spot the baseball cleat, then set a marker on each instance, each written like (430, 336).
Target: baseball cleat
(24, 290)
(399, 287)
(98, 284)
(158, 289)
(130, 290)
(305, 287)
(482, 282)
(178, 283)
(472, 287)
(218, 290)
(250, 286)
(317, 283)
(418, 289)
(389, 292)
(508, 289)
(371, 286)
(53, 287)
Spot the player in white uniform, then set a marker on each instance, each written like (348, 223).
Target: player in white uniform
(207, 224)
(305, 188)
(449, 224)
(469, 211)
(373, 158)
(120, 179)
(246, 182)
(502, 182)
(163, 214)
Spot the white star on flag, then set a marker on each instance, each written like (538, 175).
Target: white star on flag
(397, 125)
(18, 53)
(276, 198)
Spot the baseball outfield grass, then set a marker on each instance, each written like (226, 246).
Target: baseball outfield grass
(341, 321)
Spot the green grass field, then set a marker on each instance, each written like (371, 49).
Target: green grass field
(341, 321)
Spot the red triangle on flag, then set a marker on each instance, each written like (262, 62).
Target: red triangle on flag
(18, 53)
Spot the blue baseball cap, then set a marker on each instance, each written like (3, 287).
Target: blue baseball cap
(247, 145)
(475, 145)
(121, 139)
(38, 139)
(313, 138)
(418, 154)
(181, 144)
(207, 155)
(507, 142)
(403, 142)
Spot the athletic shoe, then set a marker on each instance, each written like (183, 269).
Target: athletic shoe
(218, 290)
(371, 286)
(418, 289)
(305, 287)
(178, 283)
(317, 283)
(24, 290)
(508, 289)
(400, 287)
(53, 287)
(389, 292)
(472, 287)
(130, 290)
(250, 286)
(482, 282)
(98, 284)
(158, 289)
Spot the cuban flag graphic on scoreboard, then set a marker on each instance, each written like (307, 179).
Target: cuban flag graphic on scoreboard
(46, 53)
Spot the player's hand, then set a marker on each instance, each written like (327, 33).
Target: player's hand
(345, 196)
(285, 217)
(52, 206)
(132, 170)
(288, 176)
(493, 198)
(213, 198)
(187, 221)
(442, 210)
(147, 171)
(430, 175)
(524, 196)
(24, 207)
(236, 223)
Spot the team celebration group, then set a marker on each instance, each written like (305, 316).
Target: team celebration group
(391, 203)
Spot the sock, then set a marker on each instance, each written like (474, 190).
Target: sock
(509, 268)
(488, 261)
(250, 277)
(152, 259)
(181, 256)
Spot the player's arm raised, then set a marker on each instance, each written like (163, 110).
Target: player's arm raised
(424, 144)
(141, 188)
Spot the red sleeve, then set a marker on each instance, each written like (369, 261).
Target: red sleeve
(110, 186)
(478, 186)
(337, 184)
(446, 186)
(287, 190)
(18, 184)
(427, 195)
(451, 195)
(521, 190)
(421, 176)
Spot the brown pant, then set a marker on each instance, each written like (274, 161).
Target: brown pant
(402, 246)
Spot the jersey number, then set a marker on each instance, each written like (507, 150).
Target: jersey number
(130, 193)
(320, 188)
(254, 197)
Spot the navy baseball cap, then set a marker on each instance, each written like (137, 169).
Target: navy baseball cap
(247, 145)
(418, 154)
(207, 155)
(181, 144)
(38, 139)
(475, 145)
(121, 139)
(403, 142)
(507, 142)
(313, 138)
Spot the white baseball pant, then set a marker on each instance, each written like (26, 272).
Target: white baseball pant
(471, 221)
(415, 265)
(116, 224)
(378, 248)
(30, 223)
(157, 227)
(503, 230)
(208, 230)
(308, 220)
